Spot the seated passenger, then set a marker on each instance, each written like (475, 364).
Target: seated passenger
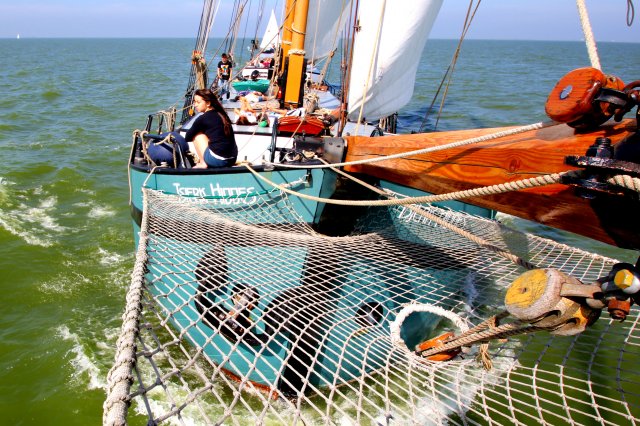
(161, 149)
(212, 133)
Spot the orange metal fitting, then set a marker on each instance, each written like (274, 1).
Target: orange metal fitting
(435, 342)
(618, 309)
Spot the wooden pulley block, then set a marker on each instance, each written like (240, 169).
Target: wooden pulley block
(573, 99)
(582, 318)
(535, 295)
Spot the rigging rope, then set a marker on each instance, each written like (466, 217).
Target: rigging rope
(509, 132)
(486, 331)
(495, 189)
(448, 75)
(209, 11)
(588, 34)
(478, 240)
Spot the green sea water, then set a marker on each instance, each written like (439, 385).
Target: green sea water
(67, 111)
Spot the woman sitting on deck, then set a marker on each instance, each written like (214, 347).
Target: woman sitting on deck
(212, 133)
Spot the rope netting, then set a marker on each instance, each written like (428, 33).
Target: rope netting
(240, 313)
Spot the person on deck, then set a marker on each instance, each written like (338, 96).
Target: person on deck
(224, 75)
(270, 66)
(252, 96)
(212, 132)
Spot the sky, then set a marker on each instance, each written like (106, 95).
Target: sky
(495, 19)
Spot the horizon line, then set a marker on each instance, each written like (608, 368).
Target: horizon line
(22, 37)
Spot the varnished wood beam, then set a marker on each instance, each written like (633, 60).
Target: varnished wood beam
(611, 219)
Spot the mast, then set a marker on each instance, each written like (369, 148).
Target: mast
(347, 70)
(286, 32)
(198, 76)
(295, 64)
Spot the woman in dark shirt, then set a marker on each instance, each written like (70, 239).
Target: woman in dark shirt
(211, 133)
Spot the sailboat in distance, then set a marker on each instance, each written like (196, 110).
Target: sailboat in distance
(341, 273)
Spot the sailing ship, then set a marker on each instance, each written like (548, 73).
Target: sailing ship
(285, 272)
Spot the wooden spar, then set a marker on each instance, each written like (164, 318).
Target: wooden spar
(296, 64)
(287, 35)
(612, 219)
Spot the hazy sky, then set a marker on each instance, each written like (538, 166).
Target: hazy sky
(496, 19)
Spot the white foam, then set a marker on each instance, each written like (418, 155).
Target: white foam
(112, 334)
(108, 258)
(28, 222)
(55, 287)
(159, 404)
(48, 203)
(39, 215)
(101, 211)
(471, 291)
(4, 193)
(86, 191)
(28, 237)
(81, 362)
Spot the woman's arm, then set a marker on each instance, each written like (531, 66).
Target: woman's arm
(194, 130)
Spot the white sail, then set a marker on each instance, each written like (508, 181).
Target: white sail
(325, 21)
(271, 34)
(386, 54)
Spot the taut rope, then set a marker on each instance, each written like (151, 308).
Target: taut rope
(588, 34)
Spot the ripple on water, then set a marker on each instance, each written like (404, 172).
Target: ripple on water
(51, 95)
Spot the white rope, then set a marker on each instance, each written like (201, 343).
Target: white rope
(396, 325)
(510, 132)
(588, 34)
(119, 378)
(625, 181)
(489, 190)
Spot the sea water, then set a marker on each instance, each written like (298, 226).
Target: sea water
(68, 108)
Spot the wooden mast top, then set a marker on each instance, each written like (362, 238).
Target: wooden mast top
(287, 34)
